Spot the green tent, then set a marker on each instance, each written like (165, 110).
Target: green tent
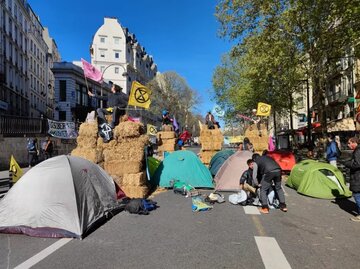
(218, 160)
(317, 179)
(185, 166)
(152, 165)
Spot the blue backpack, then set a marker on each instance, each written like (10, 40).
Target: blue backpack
(30, 145)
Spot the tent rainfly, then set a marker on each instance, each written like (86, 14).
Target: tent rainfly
(64, 196)
(218, 160)
(229, 174)
(317, 179)
(185, 166)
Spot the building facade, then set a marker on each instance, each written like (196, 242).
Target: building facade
(71, 93)
(24, 62)
(117, 53)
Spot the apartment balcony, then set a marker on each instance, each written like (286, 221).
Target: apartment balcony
(336, 98)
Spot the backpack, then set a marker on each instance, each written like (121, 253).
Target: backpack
(30, 146)
(140, 206)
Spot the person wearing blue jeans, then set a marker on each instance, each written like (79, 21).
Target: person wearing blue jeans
(354, 165)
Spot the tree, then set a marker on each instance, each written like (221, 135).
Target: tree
(315, 32)
(171, 92)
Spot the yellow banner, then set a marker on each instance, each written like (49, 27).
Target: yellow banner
(263, 109)
(15, 169)
(151, 129)
(139, 95)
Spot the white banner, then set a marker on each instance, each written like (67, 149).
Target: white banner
(62, 129)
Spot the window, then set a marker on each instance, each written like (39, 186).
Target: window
(62, 115)
(116, 70)
(102, 39)
(116, 40)
(102, 53)
(117, 55)
(62, 90)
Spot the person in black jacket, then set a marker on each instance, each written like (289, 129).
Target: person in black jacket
(354, 165)
(269, 172)
(116, 105)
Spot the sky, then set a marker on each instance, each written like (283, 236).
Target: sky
(181, 35)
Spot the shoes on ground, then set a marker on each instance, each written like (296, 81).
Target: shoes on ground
(283, 209)
(264, 210)
(357, 218)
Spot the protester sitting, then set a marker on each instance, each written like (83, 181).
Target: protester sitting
(246, 181)
(246, 143)
(116, 105)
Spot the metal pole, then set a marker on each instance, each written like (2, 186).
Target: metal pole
(308, 112)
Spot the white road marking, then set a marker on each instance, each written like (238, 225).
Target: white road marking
(271, 254)
(43, 254)
(251, 210)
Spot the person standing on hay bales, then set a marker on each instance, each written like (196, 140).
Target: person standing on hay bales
(210, 120)
(166, 120)
(116, 105)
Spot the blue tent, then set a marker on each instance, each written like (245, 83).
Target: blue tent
(218, 160)
(185, 166)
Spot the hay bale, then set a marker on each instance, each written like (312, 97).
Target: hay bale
(86, 142)
(168, 147)
(101, 145)
(90, 154)
(120, 168)
(129, 129)
(135, 192)
(117, 179)
(167, 128)
(167, 142)
(87, 129)
(205, 156)
(165, 135)
(135, 180)
(211, 146)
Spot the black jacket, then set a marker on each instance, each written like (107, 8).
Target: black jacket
(354, 165)
(247, 177)
(118, 99)
(265, 164)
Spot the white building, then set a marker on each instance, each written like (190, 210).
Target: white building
(14, 96)
(117, 53)
(24, 65)
(37, 66)
(52, 56)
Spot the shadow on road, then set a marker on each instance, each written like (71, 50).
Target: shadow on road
(346, 205)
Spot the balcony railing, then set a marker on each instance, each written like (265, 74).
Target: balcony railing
(19, 126)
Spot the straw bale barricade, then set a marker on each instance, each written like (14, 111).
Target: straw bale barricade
(259, 138)
(166, 141)
(122, 158)
(211, 142)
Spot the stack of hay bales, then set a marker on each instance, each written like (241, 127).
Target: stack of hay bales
(87, 143)
(166, 141)
(342, 125)
(211, 142)
(124, 159)
(259, 138)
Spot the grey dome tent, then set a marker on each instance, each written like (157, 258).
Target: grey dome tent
(64, 196)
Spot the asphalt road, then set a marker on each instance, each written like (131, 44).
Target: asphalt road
(314, 233)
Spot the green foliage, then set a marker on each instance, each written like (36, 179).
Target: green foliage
(280, 44)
